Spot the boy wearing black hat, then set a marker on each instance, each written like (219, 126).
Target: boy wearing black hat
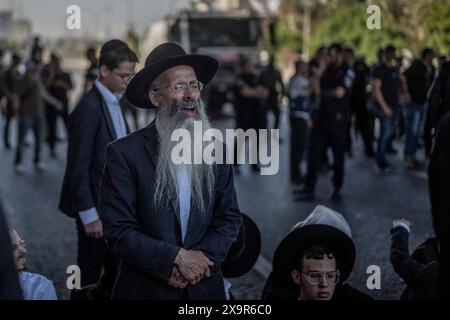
(314, 260)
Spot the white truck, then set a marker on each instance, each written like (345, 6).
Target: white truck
(225, 35)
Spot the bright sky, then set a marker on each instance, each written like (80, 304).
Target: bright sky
(103, 18)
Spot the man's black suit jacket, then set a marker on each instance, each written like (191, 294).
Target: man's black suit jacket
(147, 240)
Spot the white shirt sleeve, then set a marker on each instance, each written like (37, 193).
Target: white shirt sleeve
(227, 288)
(88, 216)
(400, 224)
(36, 287)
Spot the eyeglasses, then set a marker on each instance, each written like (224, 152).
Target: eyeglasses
(124, 77)
(182, 86)
(17, 246)
(316, 277)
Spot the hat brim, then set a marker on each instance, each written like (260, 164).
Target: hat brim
(234, 267)
(205, 68)
(300, 239)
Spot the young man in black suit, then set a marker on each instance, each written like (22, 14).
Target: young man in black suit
(96, 121)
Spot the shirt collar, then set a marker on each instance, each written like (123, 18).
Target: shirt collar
(109, 97)
(157, 125)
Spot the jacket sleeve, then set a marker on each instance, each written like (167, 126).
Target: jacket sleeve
(404, 265)
(120, 221)
(84, 122)
(434, 101)
(227, 218)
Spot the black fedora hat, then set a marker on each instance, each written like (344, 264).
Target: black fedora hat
(245, 250)
(163, 57)
(330, 230)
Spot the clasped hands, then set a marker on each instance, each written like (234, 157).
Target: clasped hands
(189, 268)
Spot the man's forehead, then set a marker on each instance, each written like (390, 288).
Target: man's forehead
(319, 264)
(15, 238)
(181, 71)
(126, 66)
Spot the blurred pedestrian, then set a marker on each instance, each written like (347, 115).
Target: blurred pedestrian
(32, 95)
(271, 79)
(330, 125)
(359, 106)
(57, 83)
(301, 88)
(250, 111)
(386, 93)
(8, 84)
(91, 73)
(419, 77)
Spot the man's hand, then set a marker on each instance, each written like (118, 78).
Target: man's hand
(94, 229)
(405, 99)
(177, 280)
(387, 111)
(59, 107)
(193, 265)
(339, 92)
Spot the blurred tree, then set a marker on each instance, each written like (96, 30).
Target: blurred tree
(405, 23)
(438, 25)
(132, 39)
(347, 25)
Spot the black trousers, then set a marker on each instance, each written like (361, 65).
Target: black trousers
(51, 115)
(324, 135)
(246, 120)
(363, 123)
(9, 114)
(27, 122)
(272, 104)
(93, 257)
(299, 143)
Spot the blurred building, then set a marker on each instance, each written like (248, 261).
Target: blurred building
(6, 25)
(22, 30)
(14, 30)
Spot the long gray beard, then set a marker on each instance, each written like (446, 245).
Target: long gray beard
(170, 118)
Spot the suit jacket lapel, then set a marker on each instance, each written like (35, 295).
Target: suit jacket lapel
(127, 127)
(122, 103)
(193, 216)
(109, 123)
(152, 148)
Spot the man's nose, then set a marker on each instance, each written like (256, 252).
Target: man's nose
(191, 94)
(323, 282)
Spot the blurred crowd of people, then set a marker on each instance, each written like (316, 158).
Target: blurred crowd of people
(36, 94)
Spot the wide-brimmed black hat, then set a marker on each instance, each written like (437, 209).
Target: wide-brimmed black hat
(163, 57)
(334, 235)
(245, 250)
